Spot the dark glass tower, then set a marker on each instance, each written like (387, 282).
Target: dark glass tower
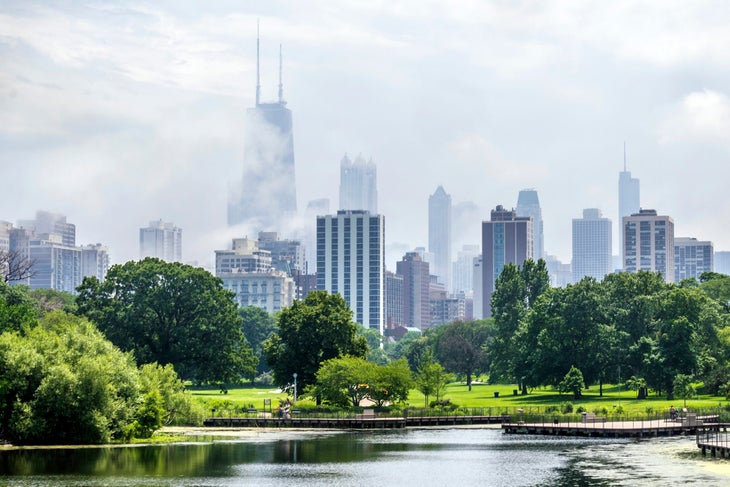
(266, 197)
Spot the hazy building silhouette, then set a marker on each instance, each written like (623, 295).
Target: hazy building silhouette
(528, 204)
(439, 235)
(358, 185)
(591, 245)
(721, 262)
(416, 290)
(506, 238)
(692, 257)
(351, 262)
(162, 240)
(393, 300)
(463, 270)
(629, 201)
(94, 261)
(266, 196)
(559, 272)
(649, 243)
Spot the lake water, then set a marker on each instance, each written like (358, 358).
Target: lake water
(423, 457)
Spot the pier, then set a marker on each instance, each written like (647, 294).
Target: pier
(358, 422)
(714, 440)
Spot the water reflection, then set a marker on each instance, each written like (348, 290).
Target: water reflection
(425, 457)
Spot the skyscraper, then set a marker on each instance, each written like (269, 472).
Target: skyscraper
(628, 201)
(507, 238)
(266, 196)
(358, 185)
(351, 262)
(463, 270)
(94, 261)
(692, 257)
(528, 204)
(722, 262)
(439, 235)
(591, 245)
(416, 290)
(162, 240)
(649, 243)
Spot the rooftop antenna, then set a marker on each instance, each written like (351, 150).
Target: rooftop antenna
(258, 79)
(624, 156)
(281, 86)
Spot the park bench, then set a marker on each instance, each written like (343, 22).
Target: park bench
(592, 418)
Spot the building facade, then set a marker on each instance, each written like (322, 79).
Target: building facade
(629, 202)
(358, 185)
(55, 265)
(592, 253)
(394, 313)
(649, 243)
(722, 262)
(351, 262)
(692, 257)
(416, 290)
(528, 205)
(94, 261)
(462, 280)
(439, 235)
(506, 238)
(162, 240)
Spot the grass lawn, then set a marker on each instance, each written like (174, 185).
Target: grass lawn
(482, 395)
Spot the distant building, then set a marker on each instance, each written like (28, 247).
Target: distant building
(478, 303)
(445, 308)
(286, 255)
(463, 270)
(358, 185)
(439, 235)
(506, 238)
(55, 265)
(351, 262)
(629, 202)
(559, 272)
(162, 240)
(722, 262)
(591, 246)
(47, 223)
(94, 261)
(528, 204)
(416, 290)
(244, 256)
(649, 243)
(394, 309)
(692, 258)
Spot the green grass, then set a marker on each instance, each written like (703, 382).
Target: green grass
(482, 395)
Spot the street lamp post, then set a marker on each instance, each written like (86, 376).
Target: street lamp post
(295, 387)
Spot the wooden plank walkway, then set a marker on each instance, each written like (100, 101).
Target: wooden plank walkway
(351, 423)
(611, 429)
(715, 440)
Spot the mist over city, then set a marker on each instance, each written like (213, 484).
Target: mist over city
(116, 114)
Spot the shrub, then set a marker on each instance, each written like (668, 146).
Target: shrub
(566, 407)
(581, 409)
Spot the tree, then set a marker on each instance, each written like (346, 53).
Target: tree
(431, 380)
(170, 313)
(460, 348)
(573, 382)
(15, 265)
(257, 325)
(391, 383)
(344, 380)
(683, 387)
(177, 405)
(62, 382)
(309, 332)
(637, 384)
(18, 311)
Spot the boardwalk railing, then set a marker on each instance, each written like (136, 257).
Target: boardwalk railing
(714, 439)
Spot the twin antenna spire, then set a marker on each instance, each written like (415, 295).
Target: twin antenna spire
(258, 71)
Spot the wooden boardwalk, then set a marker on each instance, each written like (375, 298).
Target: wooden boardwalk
(372, 422)
(612, 429)
(713, 439)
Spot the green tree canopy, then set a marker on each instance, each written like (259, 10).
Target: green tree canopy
(170, 313)
(313, 330)
(257, 326)
(460, 348)
(572, 382)
(344, 380)
(18, 310)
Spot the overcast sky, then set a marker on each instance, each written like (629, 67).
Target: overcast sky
(118, 113)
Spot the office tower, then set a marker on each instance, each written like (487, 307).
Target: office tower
(416, 290)
(162, 240)
(591, 245)
(46, 223)
(478, 287)
(55, 265)
(628, 201)
(439, 235)
(393, 300)
(444, 308)
(286, 255)
(463, 270)
(246, 270)
(94, 261)
(351, 262)
(722, 262)
(528, 204)
(649, 243)
(266, 196)
(358, 185)
(560, 273)
(507, 238)
(692, 257)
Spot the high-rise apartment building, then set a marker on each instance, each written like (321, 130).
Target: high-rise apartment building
(55, 265)
(94, 261)
(507, 238)
(462, 280)
(591, 245)
(439, 235)
(416, 290)
(162, 240)
(722, 262)
(286, 255)
(358, 185)
(692, 257)
(393, 300)
(628, 201)
(649, 243)
(351, 262)
(266, 196)
(528, 204)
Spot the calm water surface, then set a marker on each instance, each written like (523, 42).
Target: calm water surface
(411, 457)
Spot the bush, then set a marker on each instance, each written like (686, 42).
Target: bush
(552, 409)
(581, 409)
(566, 407)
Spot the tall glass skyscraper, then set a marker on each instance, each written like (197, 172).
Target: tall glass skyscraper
(358, 185)
(439, 235)
(266, 196)
(528, 204)
(628, 201)
(591, 245)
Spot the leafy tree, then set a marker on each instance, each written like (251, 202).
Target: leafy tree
(52, 300)
(309, 332)
(573, 382)
(431, 380)
(62, 382)
(257, 326)
(18, 311)
(460, 348)
(170, 313)
(637, 384)
(683, 387)
(391, 383)
(177, 405)
(344, 380)
(149, 416)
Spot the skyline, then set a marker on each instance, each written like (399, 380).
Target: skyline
(119, 114)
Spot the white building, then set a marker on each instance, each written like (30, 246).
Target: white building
(358, 185)
(649, 243)
(439, 235)
(692, 257)
(94, 261)
(162, 240)
(591, 245)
